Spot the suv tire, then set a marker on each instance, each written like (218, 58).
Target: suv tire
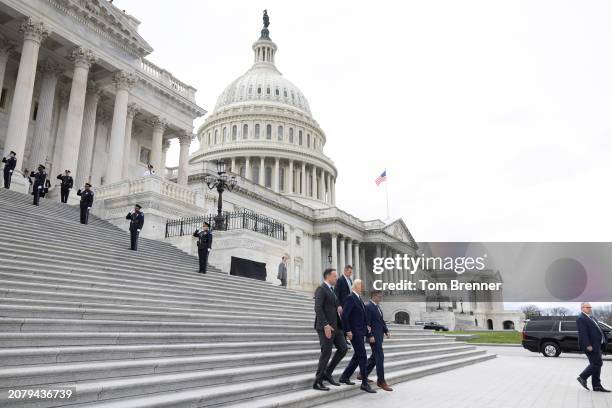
(550, 349)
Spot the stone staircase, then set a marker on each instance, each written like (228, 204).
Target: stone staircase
(143, 329)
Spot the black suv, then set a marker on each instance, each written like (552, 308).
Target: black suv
(432, 326)
(551, 337)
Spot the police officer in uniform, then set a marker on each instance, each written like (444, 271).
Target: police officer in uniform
(9, 167)
(66, 185)
(39, 183)
(204, 244)
(136, 218)
(87, 197)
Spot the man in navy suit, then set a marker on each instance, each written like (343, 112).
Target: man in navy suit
(592, 340)
(344, 284)
(356, 329)
(374, 317)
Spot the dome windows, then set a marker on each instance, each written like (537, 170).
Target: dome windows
(268, 90)
(290, 135)
(234, 132)
(308, 140)
(257, 131)
(277, 92)
(269, 132)
(259, 90)
(300, 137)
(216, 136)
(245, 131)
(280, 133)
(224, 134)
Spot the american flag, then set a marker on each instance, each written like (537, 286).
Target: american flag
(381, 178)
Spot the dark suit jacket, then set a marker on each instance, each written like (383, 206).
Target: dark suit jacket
(326, 308)
(354, 316)
(589, 334)
(86, 198)
(375, 321)
(136, 220)
(343, 290)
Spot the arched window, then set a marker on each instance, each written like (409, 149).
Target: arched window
(209, 138)
(257, 131)
(245, 131)
(280, 133)
(290, 135)
(250, 89)
(268, 177)
(269, 132)
(268, 90)
(308, 140)
(224, 134)
(216, 136)
(277, 92)
(234, 132)
(285, 93)
(259, 90)
(300, 137)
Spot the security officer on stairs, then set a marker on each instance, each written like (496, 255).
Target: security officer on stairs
(136, 218)
(204, 244)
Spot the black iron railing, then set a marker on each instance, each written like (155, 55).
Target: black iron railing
(245, 219)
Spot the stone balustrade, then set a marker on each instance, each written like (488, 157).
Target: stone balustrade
(149, 184)
(166, 78)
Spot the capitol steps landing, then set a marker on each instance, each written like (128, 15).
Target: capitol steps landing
(143, 329)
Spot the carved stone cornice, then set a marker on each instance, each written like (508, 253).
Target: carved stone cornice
(185, 138)
(158, 123)
(132, 110)
(124, 80)
(50, 68)
(82, 57)
(34, 30)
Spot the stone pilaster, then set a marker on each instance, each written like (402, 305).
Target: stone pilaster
(49, 71)
(132, 110)
(183, 169)
(290, 181)
(34, 32)
(159, 125)
(315, 185)
(88, 132)
(247, 168)
(165, 147)
(356, 262)
(276, 177)
(341, 253)
(334, 250)
(303, 174)
(124, 81)
(262, 173)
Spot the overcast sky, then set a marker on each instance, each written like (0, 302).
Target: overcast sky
(492, 118)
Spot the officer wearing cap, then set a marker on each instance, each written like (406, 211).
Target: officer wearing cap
(9, 167)
(39, 183)
(66, 185)
(87, 197)
(136, 218)
(204, 244)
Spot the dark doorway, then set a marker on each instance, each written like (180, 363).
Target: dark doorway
(489, 324)
(402, 318)
(248, 268)
(508, 325)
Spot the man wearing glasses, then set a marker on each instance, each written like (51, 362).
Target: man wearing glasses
(592, 340)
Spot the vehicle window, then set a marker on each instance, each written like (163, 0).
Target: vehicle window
(540, 325)
(568, 326)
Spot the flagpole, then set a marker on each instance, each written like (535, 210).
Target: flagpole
(387, 194)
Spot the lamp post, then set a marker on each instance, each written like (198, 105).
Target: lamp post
(329, 258)
(221, 181)
(461, 302)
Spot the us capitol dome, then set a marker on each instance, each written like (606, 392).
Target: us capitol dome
(263, 128)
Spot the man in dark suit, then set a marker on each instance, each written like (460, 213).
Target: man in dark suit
(592, 340)
(205, 239)
(66, 185)
(136, 218)
(87, 197)
(375, 319)
(9, 167)
(344, 285)
(356, 328)
(328, 327)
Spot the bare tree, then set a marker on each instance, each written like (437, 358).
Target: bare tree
(530, 311)
(603, 313)
(558, 311)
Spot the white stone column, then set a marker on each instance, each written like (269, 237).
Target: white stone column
(132, 110)
(6, 48)
(183, 169)
(334, 250)
(165, 147)
(83, 174)
(303, 174)
(349, 252)
(124, 81)
(333, 191)
(262, 173)
(341, 254)
(49, 70)
(328, 189)
(276, 177)
(34, 33)
(159, 125)
(356, 262)
(83, 58)
(233, 165)
(315, 184)
(55, 147)
(290, 180)
(247, 168)
(317, 260)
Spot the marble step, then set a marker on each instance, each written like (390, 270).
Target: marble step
(220, 388)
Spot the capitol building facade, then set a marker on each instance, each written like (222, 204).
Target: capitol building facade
(78, 93)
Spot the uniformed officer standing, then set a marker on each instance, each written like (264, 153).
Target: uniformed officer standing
(204, 245)
(136, 218)
(66, 185)
(87, 197)
(9, 167)
(39, 183)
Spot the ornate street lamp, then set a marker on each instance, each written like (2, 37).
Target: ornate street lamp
(221, 181)
(329, 258)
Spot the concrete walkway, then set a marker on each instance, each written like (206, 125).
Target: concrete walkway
(516, 378)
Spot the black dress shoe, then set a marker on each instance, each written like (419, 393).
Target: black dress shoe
(330, 380)
(583, 382)
(600, 389)
(367, 388)
(319, 386)
(346, 381)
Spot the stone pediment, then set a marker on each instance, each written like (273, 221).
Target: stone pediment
(400, 231)
(106, 18)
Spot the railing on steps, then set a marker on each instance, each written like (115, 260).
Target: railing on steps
(154, 184)
(244, 219)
